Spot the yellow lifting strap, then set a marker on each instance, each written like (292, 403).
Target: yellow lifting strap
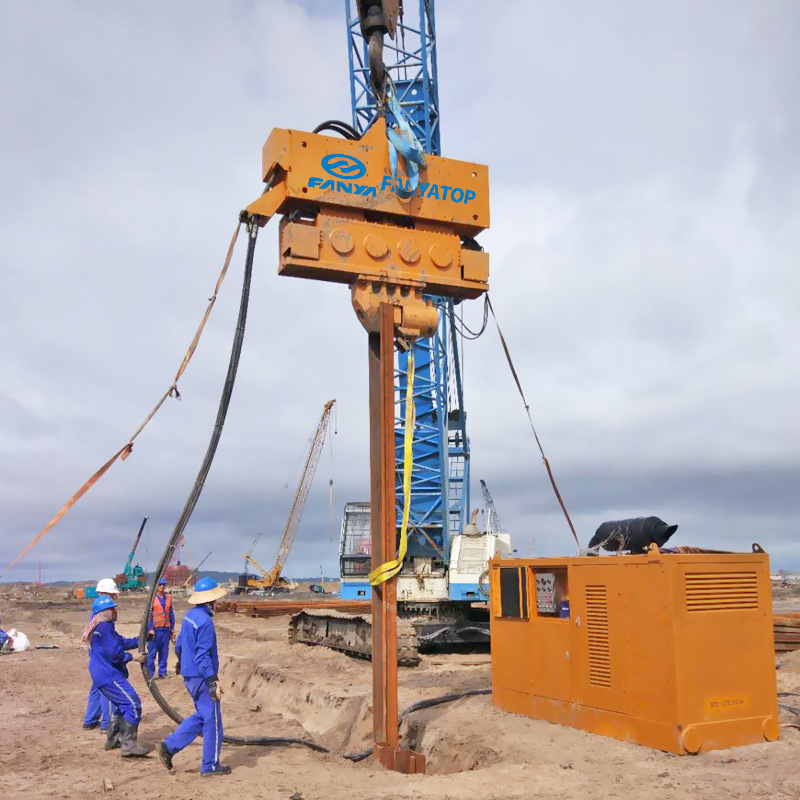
(388, 570)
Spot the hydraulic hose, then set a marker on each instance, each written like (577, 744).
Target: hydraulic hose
(194, 496)
(180, 526)
(419, 706)
(337, 126)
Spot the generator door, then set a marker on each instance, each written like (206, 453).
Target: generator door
(597, 608)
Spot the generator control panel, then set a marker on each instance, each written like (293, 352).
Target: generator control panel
(546, 593)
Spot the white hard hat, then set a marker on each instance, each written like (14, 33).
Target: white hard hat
(107, 586)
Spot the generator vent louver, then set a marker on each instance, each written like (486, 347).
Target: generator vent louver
(721, 591)
(597, 636)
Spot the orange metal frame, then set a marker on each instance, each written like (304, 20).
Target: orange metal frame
(293, 160)
(358, 229)
(670, 651)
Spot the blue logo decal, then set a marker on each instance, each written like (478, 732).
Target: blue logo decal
(341, 166)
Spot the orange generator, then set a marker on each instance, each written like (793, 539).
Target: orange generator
(672, 651)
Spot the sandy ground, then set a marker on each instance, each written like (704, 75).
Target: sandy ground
(473, 749)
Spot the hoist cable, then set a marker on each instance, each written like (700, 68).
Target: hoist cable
(530, 419)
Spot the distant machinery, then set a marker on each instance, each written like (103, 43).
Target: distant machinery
(492, 520)
(194, 572)
(271, 578)
(133, 578)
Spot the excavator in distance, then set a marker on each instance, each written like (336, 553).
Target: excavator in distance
(267, 579)
(271, 579)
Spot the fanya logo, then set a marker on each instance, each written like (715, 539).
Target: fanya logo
(341, 166)
(350, 169)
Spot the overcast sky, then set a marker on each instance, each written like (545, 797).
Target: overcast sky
(645, 179)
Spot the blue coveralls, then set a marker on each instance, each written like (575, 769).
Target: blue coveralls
(197, 650)
(3, 637)
(108, 668)
(159, 644)
(97, 708)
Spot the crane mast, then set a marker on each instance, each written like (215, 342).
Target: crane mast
(440, 487)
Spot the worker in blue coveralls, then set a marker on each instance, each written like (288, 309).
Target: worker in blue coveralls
(198, 662)
(97, 707)
(108, 667)
(5, 642)
(162, 627)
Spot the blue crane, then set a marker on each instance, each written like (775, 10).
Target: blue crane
(439, 586)
(440, 483)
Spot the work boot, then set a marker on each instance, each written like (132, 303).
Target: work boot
(220, 770)
(127, 737)
(90, 726)
(112, 732)
(165, 755)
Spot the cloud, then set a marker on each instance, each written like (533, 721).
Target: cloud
(646, 226)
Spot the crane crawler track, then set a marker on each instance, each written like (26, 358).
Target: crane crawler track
(351, 634)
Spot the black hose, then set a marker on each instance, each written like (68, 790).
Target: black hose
(191, 502)
(419, 706)
(337, 126)
(194, 496)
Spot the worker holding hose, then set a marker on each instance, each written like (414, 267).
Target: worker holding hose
(97, 706)
(162, 627)
(108, 661)
(198, 662)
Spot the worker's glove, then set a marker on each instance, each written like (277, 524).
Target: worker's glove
(214, 690)
(151, 635)
(139, 658)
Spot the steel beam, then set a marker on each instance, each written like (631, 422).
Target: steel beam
(384, 548)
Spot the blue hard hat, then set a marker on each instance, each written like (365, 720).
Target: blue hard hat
(162, 582)
(204, 584)
(102, 603)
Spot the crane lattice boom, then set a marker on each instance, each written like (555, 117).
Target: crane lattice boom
(307, 477)
(492, 520)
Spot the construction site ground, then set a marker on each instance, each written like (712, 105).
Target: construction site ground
(271, 688)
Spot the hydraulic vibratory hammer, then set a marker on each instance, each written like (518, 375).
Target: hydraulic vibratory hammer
(348, 216)
(344, 221)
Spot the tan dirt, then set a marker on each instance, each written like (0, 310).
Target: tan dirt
(473, 749)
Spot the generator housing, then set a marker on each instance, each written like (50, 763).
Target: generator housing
(672, 651)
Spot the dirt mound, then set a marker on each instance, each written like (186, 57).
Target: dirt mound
(789, 663)
(332, 718)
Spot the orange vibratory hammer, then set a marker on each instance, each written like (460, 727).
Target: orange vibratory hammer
(344, 221)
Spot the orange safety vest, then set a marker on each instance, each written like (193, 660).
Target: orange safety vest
(161, 615)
